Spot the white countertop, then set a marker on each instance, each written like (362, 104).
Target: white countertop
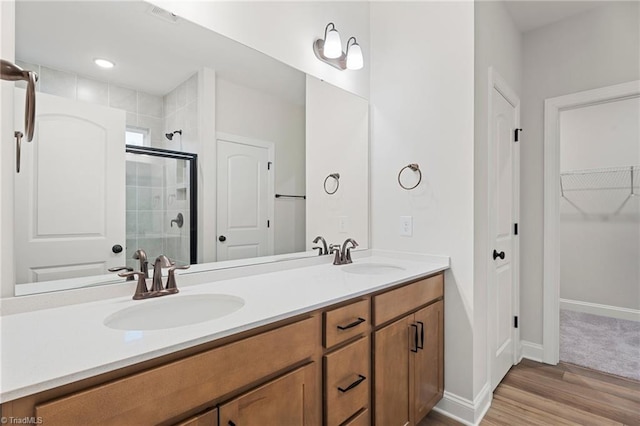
(48, 348)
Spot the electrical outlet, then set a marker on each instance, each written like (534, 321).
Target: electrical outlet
(406, 226)
(342, 224)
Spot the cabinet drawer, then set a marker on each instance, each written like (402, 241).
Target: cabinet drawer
(164, 392)
(343, 323)
(362, 419)
(347, 381)
(397, 302)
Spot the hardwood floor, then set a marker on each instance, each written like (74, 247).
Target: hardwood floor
(540, 394)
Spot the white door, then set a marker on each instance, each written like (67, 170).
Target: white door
(503, 250)
(243, 221)
(70, 192)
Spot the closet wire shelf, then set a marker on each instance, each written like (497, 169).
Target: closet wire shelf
(602, 193)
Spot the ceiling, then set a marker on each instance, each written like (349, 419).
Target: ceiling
(529, 15)
(151, 54)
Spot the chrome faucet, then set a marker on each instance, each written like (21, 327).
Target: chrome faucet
(335, 248)
(343, 257)
(162, 261)
(144, 264)
(157, 287)
(321, 250)
(346, 251)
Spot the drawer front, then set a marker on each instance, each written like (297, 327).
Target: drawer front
(395, 303)
(347, 381)
(341, 324)
(362, 419)
(161, 393)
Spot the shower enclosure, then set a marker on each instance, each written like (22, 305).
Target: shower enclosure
(161, 204)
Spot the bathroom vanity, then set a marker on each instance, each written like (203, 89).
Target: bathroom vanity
(325, 345)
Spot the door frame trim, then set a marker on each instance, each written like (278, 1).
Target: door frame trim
(497, 82)
(551, 241)
(271, 153)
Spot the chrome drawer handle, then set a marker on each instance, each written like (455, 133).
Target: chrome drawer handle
(360, 379)
(351, 325)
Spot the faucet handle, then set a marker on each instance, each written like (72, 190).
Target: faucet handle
(335, 248)
(171, 279)
(122, 268)
(141, 288)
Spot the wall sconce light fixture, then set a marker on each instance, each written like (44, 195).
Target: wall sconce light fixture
(329, 50)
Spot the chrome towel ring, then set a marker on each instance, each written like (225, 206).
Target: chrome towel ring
(335, 176)
(416, 168)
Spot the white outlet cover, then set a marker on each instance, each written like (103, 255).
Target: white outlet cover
(406, 226)
(343, 224)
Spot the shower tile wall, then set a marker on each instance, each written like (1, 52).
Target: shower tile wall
(181, 113)
(157, 191)
(143, 109)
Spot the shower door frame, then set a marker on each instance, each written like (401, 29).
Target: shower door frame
(192, 160)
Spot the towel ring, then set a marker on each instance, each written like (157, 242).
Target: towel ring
(335, 176)
(415, 168)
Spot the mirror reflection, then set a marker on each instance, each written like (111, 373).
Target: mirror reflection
(214, 130)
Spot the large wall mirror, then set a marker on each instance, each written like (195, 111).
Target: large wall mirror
(190, 145)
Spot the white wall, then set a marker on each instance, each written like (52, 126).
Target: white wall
(599, 254)
(247, 112)
(7, 151)
(498, 44)
(422, 85)
(594, 49)
(286, 31)
(337, 137)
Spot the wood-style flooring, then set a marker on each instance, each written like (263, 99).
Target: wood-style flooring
(565, 394)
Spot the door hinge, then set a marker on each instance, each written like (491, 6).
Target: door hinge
(515, 229)
(268, 223)
(515, 322)
(269, 163)
(517, 135)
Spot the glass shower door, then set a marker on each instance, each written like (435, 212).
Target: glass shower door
(160, 204)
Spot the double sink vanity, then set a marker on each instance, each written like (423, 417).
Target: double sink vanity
(309, 344)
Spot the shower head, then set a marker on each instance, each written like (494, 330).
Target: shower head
(170, 135)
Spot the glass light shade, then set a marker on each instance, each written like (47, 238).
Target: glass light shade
(354, 57)
(332, 45)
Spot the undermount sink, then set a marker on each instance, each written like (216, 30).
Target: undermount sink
(174, 311)
(371, 268)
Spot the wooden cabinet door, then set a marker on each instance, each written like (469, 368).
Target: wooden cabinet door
(427, 363)
(392, 373)
(287, 400)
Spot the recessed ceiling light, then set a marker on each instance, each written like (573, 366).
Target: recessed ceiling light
(103, 63)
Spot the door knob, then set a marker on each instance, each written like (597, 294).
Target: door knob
(116, 249)
(498, 255)
(222, 238)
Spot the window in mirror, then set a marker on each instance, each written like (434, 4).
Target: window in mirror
(137, 137)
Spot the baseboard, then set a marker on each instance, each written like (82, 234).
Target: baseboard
(602, 310)
(532, 351)
(463, 410)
